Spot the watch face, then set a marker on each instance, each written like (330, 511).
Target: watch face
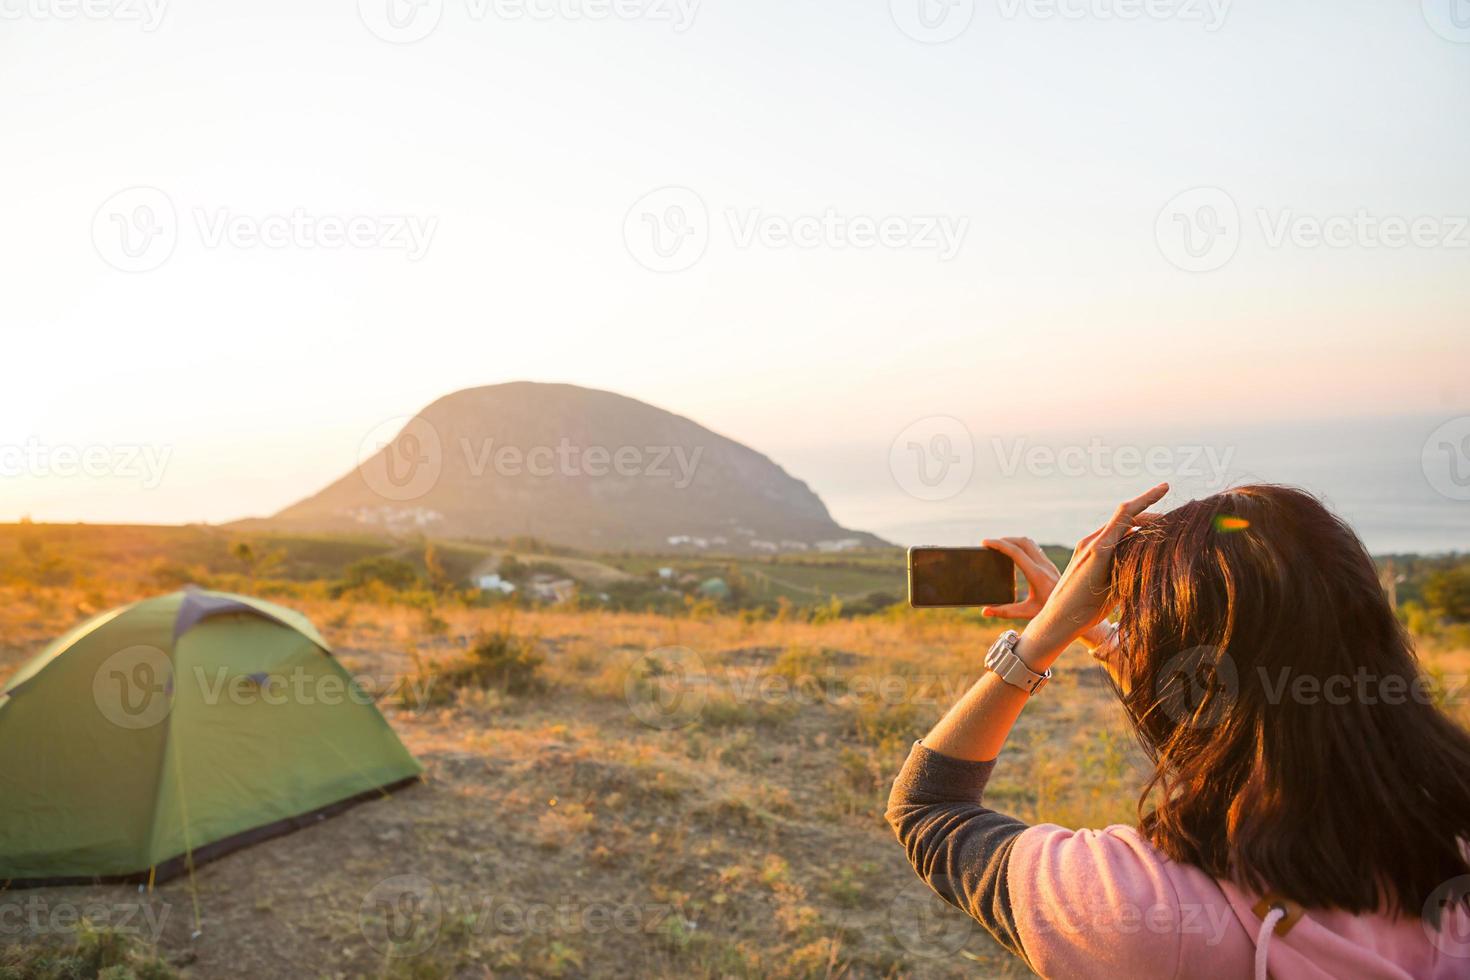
(1002, 645)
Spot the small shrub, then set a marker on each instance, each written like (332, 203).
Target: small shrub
(804, 667)
(392, 573)
(96, 953)
(886, 725)
(499, 661)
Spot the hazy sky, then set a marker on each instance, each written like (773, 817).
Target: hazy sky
(989, 227)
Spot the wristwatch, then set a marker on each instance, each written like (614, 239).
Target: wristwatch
(1003, 660)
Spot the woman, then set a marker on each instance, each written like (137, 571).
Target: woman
(1309, 803)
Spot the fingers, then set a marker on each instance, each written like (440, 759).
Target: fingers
(1129, 513)
(1144, 501)
(1011, 610)
(1034, 550)
(1023, 559)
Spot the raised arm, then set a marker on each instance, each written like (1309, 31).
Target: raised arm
(976, 727)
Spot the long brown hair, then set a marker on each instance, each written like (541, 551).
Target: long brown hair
(1297, 746)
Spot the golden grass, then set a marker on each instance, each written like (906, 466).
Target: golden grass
(744, 839)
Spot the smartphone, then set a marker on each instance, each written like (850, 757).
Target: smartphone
(960, 577)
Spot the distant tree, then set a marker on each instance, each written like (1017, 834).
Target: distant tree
(511, 569)
(439, 579)
(1447, 592)
(392, 572)
(256, 562)
(245, 555)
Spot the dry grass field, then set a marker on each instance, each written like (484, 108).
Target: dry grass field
(696, 796)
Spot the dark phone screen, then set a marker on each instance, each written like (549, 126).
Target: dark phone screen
(960, 577)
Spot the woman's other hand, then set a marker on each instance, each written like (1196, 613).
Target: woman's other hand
(1077, 601)
(1040, 572)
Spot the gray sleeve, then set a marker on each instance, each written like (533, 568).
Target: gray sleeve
(958, 847)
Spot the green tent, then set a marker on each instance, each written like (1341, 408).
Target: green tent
(173, 730)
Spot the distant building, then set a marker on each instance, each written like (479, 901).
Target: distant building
(396, 518)
(666, 573)
(494, 583)
(714, 588)
(843, 544)
(760, 545)
(791, 545)
(549, 589)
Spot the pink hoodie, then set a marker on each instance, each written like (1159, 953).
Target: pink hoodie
(1106, 903)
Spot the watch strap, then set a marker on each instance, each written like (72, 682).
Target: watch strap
(1012, 669)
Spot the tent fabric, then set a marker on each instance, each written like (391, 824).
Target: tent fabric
(179, 727)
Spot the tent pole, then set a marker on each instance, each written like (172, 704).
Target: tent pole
(188, 841)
